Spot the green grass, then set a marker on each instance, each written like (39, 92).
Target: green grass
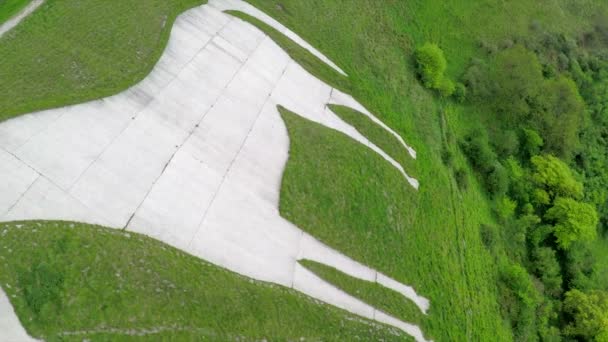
(353, 200)
(72, 51)
(302, 56)
(9, 8)
(377, 135)
(68, 277)
(380, 297)
(429, 239)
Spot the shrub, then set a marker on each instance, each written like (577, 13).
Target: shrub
(460, 92)
(446, 87)
(532, 142)
(461, 178)
(489, 235)
(497, 180)
(505, 207)
(431, 65)
(477, 149)
(519, 299)
(547, 268)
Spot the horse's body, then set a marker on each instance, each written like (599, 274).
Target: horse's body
(193, 156)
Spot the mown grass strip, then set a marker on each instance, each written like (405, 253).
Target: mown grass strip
(378, 135)
(376, 295)
(9, 8)
(73, 51)
(73, 282)
(306, 59)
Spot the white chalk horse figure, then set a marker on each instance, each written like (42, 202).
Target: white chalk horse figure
(193, 156)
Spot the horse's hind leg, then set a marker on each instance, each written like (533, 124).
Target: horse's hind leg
(312, 249)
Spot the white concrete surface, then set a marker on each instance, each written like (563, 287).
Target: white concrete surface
(239, 5)
(10, 327)
(14, 21)
(193, 156)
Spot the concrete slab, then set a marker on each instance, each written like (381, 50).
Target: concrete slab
(193, 156)
(10, 327)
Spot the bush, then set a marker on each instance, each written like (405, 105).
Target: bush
(532, 142)
(574, 221)
(505, 208)
(519, 299)
(446, 88)
(489, 235)
(460, 93)
(547, 268)
(477, 149)
(497, 180)
(461, 179)
(431, 65)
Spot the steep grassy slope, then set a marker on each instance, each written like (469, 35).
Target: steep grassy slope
(434, 243)
(352, 199)
(71, 51)
(74, 282)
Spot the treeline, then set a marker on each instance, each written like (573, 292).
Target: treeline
(543, 161)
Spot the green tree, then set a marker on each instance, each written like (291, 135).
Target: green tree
(560, 117)
(574, 221)
(548, 270)
(516, 79)
(431, 65)
(590, 314)
(555, 177)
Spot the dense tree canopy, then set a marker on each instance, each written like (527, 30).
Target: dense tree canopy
(574, 221)
(590, 315)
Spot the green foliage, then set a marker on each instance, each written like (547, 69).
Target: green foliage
(497, 179)
(516, 79)
(505, 207)
(483, 159)
(532, 143)
(574, 221)
(589, 313)
(460, 93)
(555, 177)
(462, 178)
(547, 268)
(580, 267)
(431, 66)
(561, 118)
(519, 299)
(506, 143)
(446, 87)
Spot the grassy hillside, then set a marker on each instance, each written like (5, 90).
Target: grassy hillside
(427, 239)
(438, 232)
(74, 282)
(72, 51)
